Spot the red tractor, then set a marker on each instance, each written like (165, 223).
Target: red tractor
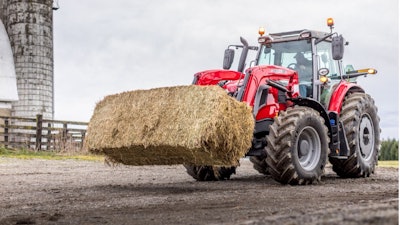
(306, 106)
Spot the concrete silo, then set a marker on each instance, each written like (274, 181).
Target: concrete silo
(29, 24)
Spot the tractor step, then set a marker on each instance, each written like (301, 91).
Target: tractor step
(339, 157)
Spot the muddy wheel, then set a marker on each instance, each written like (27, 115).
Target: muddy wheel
(260, 164)
(297, 146)
(210, 173)
(361, 124)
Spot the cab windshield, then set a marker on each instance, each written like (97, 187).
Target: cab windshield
(296, 55)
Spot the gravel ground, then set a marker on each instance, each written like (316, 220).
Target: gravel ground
(83, 192)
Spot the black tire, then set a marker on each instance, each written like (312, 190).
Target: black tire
(260, 164)
(297, 146)
(210, 173)
(361, 124)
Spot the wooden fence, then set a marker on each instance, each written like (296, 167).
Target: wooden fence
(41, 134)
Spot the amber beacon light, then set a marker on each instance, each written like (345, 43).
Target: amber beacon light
(330, 22)
(261, 31)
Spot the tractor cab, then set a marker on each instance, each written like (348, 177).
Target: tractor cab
(315, 56)
(303, 52)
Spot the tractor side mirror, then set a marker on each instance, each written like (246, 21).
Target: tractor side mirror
(337, 47)
(228, 58)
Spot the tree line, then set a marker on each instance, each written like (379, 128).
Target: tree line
(389, 149)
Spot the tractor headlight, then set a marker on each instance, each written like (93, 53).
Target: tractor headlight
(323, 79)
(323, 73)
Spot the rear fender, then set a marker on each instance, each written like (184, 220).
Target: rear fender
(338, 95)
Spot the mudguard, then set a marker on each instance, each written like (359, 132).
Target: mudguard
(338, 95)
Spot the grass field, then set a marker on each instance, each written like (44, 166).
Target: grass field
(29, 154)
(393, 163)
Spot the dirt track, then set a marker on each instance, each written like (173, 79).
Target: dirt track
(80, 192)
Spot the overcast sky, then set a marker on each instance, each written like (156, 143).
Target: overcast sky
(106, 47)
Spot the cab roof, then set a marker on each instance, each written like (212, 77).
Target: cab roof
(298, 34)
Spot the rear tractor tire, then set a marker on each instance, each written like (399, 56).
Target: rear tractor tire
(210, 173)
(361, 124)
(297, 146)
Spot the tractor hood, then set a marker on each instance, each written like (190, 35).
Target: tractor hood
(213, 77)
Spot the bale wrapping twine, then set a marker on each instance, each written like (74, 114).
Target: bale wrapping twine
(196, 125)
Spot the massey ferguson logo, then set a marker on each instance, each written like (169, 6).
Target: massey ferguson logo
(278, 71)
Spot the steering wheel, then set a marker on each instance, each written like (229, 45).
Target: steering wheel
(292, 66)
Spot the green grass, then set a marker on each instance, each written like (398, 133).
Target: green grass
(393, 163)
(49, 155)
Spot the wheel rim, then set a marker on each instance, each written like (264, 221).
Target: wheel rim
(308, 148)
(366, 137)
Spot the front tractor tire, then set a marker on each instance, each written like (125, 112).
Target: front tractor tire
(297, 146)
(210, 173)
(260, 164)
(361, 125)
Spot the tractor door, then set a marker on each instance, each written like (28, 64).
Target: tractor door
(325, 61)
